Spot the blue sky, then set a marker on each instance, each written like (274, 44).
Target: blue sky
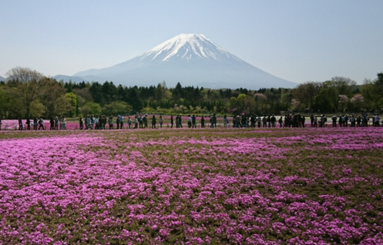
(297, 40)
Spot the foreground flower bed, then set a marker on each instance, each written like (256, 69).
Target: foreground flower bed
(280, 186)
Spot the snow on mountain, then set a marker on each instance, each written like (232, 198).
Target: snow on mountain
(2, 79)
(192, 60)
(187, 46)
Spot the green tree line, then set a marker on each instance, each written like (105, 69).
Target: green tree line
(28, 93)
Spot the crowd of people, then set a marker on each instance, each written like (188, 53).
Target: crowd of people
(38, 123)
(103, 122)
(238, 121)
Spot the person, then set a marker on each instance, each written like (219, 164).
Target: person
(88, 122)
(20, 124)
(225, 121)
(92, 121)
(171, 121)
(81, 123)
(273, 120)
(202, 122)
(376, 120)
(358, 121)
(136, 122)
(56, 122)
(280, 121)
(264, 121)
(323, 120)
(345, 121)
(312, 120)
(352, 120)
(333, 121)
(35, 121)
(194, 121)
(103, 122)
(28, 124)
(0, 123)
(154, 121)
(118, 121)
(63, 123)
(253, 118)
(52, 123)
(237, 122)
(41, 124)
(189, 121)
(121, 121)
(129, 122)
(145, 121)
(96, 122)
(110, 122)
(340, 121)
(180, 121)
(141, 121)
(161, 121)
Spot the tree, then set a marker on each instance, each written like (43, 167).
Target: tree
(51, 97)
(5, 102)
(343, 100)
(260, 102)
(72, 99)
(162, 92)
(327, 99)
(295, 104)
(306, 93)
(91, 108)
(97, 94)
(372, 92)
(25, 85)
(134, 99)
(343, 85)
(117, 108)
(241, 102)
(233, 102)
(178, 92)
(37, 108)
(357, 101)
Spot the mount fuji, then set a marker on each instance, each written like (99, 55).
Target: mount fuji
(192, 60)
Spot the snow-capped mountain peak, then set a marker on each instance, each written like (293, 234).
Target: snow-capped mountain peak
(187, 47)
(191, 59)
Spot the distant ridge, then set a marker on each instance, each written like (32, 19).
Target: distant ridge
(192, 60)
(69, 78)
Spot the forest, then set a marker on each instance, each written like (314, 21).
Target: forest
(28, 93)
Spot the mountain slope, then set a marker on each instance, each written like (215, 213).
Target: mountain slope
(2, 79)
(191, 59)
(68, 78)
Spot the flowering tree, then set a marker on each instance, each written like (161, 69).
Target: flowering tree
(343, 99)
(357, 100)
(295, 104)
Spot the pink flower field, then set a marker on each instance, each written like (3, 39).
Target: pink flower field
(182, 186)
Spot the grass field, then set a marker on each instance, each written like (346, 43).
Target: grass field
(192, 186)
